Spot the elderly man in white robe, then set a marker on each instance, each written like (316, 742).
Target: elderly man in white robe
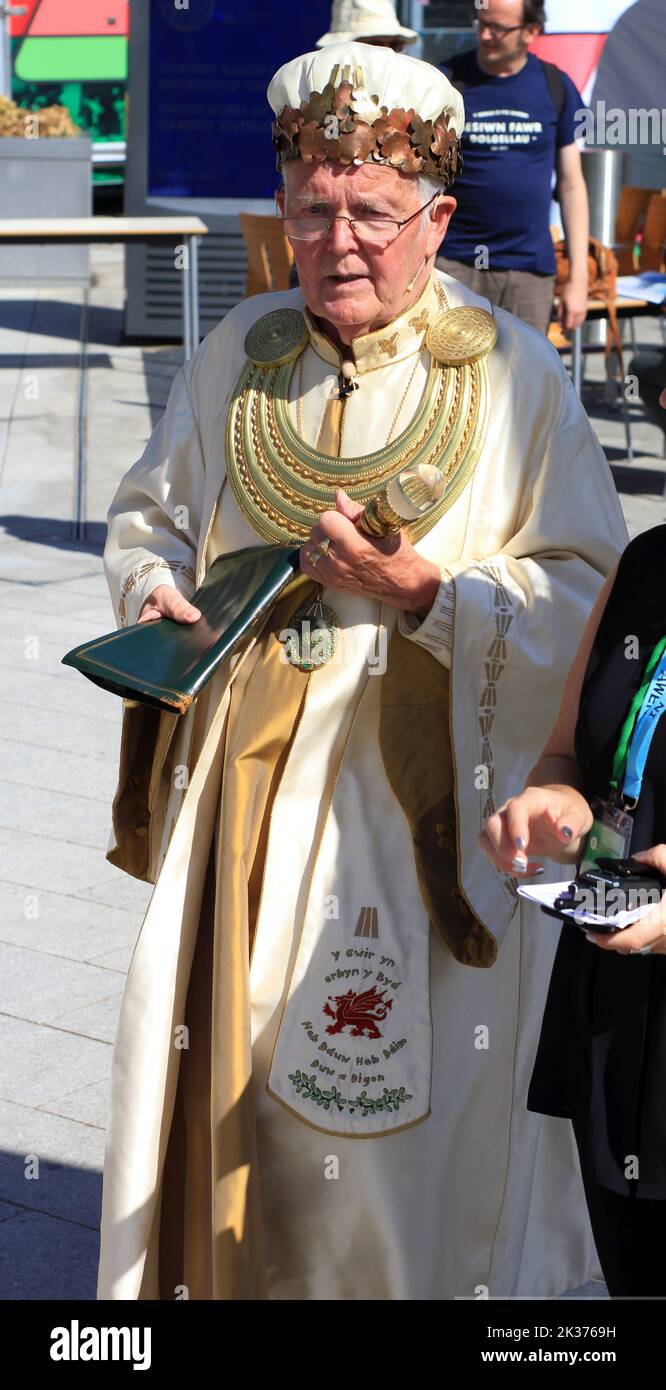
(320, 1072)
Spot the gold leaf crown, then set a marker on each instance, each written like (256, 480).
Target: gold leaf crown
(344, 123)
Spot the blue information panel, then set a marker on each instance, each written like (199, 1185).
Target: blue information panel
(210, 64)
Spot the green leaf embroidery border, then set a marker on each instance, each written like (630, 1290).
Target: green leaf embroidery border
(308, 1088)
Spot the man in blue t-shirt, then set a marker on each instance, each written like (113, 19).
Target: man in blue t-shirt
(520, 127)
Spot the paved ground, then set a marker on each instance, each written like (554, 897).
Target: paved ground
(68, 920)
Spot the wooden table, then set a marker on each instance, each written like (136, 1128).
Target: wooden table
(95, 231)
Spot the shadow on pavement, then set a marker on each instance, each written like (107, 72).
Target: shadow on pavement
(50, 1229)
(641, 481)
(60, 318)
(60, 361)
(48, 531)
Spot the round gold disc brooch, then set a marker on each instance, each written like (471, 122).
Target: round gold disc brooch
(461, 335)
(276, 338)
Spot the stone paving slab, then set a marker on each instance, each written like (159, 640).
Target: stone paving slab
(45, 1064)
(66, 925)
(45, 988)
(122, 892)
(61, 695)
(38, 550)
(86, 736)
(120, 957)
(17, 653)
(70, 1159)
(89, 1104)
(63, 629)
(99, 1019)
(53, 769)
(21, 598)
(27, 808)
(60, 865)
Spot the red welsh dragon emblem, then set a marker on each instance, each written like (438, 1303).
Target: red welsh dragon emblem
(360, 1012)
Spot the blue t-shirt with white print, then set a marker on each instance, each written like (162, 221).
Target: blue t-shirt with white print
(512, 135)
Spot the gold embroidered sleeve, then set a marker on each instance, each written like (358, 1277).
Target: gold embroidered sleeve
(435, 631)
(140, 583)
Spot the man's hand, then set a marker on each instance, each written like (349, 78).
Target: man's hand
(572, 306)
(389, 569)
(166, 602)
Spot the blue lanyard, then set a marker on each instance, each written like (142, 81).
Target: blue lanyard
(652, 708)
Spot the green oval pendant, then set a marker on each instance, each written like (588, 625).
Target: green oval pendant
(312, 635)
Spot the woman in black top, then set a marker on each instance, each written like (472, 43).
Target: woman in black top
(601, 1059)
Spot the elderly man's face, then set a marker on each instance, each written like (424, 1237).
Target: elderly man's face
(353, 286)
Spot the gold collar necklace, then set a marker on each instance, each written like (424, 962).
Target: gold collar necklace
(282, 484)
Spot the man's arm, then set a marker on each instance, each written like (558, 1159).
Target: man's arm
(573, 199)
(155, 517)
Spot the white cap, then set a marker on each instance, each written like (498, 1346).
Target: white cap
(388, 79)
(364, 19)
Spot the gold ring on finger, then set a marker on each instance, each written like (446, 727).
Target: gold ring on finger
(324, 546)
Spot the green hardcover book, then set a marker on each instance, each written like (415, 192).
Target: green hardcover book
(165, 664)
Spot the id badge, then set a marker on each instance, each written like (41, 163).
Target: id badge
(610, 836)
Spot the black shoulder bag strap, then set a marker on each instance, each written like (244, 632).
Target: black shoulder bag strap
(556, 86)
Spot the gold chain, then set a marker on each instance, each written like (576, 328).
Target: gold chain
(404, 396)
(441, 295)
(299, 403)
(299, 397)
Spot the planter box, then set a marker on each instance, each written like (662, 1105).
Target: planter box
(45, 178)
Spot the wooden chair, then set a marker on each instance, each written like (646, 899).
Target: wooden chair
(558, 337)
(654, 234)
(631, 213)
(269, 255)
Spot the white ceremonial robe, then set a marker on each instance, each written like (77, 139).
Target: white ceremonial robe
(475, 1193)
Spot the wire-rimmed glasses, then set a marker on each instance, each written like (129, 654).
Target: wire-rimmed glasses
(373, 231)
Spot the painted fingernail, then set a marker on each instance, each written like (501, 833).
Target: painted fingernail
(520, 841)
(567, 832)
(519, 865)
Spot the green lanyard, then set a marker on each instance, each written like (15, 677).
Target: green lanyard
(622, 750)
